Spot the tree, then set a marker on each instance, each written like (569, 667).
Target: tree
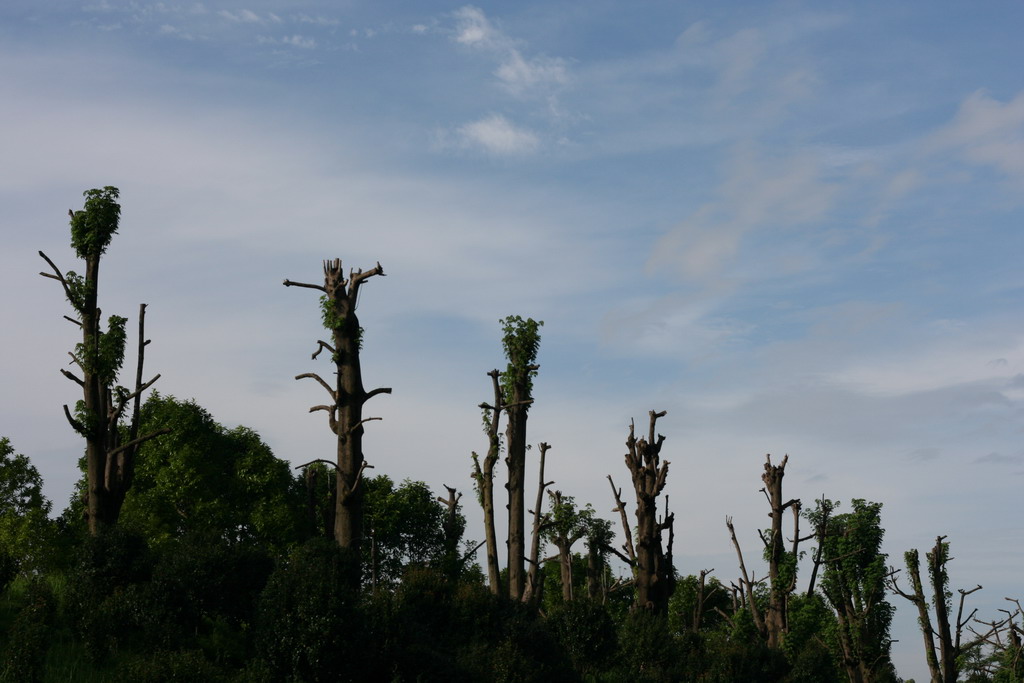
(483, 477)
(512, 395)
(345, 412)
(568, 525)
(771, 622)
(853, 582)
(534, 580)
(943, 662)
(204, 479)
(654, 574)
(521, 342)
(25, 527)
(406, 526)
(110, 459)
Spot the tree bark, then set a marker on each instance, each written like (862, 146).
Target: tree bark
(345, 413)
(484, 476)
(655, 576)
(531, 591)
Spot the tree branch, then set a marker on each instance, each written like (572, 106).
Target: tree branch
(75, 424)
(375, 392)
(307, 464)
(71, 376)
(321, 345)
(138, 441)
(325, 385)
(289, 283)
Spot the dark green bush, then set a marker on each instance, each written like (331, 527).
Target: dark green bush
(310, 626)
(29, 636)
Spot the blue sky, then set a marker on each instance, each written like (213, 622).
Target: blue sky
(795, 226)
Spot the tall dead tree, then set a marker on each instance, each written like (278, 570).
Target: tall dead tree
(345, 411)
(110, 459)
(654, 574)
(943, 662)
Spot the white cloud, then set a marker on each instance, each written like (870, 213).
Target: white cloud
(316, 20)
(473, 28)
(757, 194)
(497, 135)
(299, 41)
(519, 75)
(987, 132)
(243, 16)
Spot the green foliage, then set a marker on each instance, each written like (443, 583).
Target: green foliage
(204, 479)
(310, 626)
(648, 651)
(103, 354)
(807, 644)
(406, 525)
(853, 578)
(171, 666)
(586, 632)
(93, 227)
(26, 531)
(29, 637)
(683, 603)
(937, 567)
(521, 341)
(78, 290)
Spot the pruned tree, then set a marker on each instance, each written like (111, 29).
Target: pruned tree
(345, 411)
(534, 580)
(781, 564)
(772, 621)
(521, 342)
(651, 560)
(944, 657)
(483, 477)
(110, 450)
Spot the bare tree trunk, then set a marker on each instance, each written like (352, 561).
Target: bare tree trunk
(531, 592)
(484, 476)
(776, 616)
(655, 576)
(345, 412)
(516, 462)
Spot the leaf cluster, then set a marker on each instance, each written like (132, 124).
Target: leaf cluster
(521, 341)
(93, 227)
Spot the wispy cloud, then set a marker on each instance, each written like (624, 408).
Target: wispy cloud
(517, 74)
(757, 194)
(497, 135)
(987, 132)
(316, 20)
(242, 16)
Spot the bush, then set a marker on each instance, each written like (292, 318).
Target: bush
(586, 632)
(309, 625)
(29, 637)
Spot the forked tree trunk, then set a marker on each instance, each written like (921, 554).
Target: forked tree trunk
(655, 576)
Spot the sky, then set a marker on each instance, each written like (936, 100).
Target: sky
(794, 226)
